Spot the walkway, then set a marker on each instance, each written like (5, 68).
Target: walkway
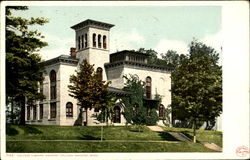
(182, 138)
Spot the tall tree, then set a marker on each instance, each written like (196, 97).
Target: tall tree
(23, 69)
(88, 88)
(172, 59)
(197, 85)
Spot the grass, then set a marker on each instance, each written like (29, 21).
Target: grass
(201, 134)
(146, 141)
(89, 147)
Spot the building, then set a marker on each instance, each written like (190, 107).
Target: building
(93, 44)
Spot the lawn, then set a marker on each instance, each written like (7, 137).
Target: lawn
(202, 135)
(75, 139)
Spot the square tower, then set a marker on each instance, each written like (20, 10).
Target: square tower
(92, 43)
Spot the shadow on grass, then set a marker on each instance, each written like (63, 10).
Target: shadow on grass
(87, 137)
(166, 136)
(30, 129)
(186, 133)
(134, 130)
(11, 131)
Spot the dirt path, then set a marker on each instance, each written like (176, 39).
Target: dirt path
(212, 146)
(182, 138)
(155, 128)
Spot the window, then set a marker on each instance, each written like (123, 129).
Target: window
(53, 110)
(82, 42)
(52, 84)
(28, 112)
(41, 89)
(41, 86)
(161, 111)
(104, 42)
(34, 112)
(41, 111)
(86, 40)
(117, 115)
(148, 87)
(99, 41)
(69, 109)
(99, 73)
(94, 40)
(79, 42)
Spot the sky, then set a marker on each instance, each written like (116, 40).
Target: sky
(157, 27)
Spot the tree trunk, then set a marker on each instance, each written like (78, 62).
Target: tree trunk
(194, 131)
(207, 125)
(22, 106)
(86, 113)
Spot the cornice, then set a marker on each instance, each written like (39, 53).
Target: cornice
(138, 65)
(63, 59)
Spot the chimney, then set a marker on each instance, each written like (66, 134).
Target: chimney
(73, 52)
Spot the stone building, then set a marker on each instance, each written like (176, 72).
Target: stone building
(92, 42)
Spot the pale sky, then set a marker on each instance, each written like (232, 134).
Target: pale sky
(157, 27)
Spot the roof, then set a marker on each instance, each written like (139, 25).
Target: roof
(62, 59)
(92, 23)
(130, 52)
(118, 91)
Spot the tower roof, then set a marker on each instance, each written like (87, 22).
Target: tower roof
(92, 23)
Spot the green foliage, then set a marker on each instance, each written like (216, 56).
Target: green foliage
(170, 59)
(107, 110)
(23, 67)
(197, 85)
(136, 111)
(87, 88)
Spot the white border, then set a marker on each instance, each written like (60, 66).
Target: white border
(235, 79)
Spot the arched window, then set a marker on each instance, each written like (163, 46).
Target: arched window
(99, 41)
(52, 84)
(86, 40)
(94, 40)
(82, 43)
(117, 115)
(148, 87)
(104, 42)
(69, 109)
(79, 42)
(161, 111)
(99, 73)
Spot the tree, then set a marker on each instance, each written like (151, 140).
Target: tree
(172, 59)
(23, 67)
(107, 110)
(197, 86)
(88, 88)
(136, 110)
